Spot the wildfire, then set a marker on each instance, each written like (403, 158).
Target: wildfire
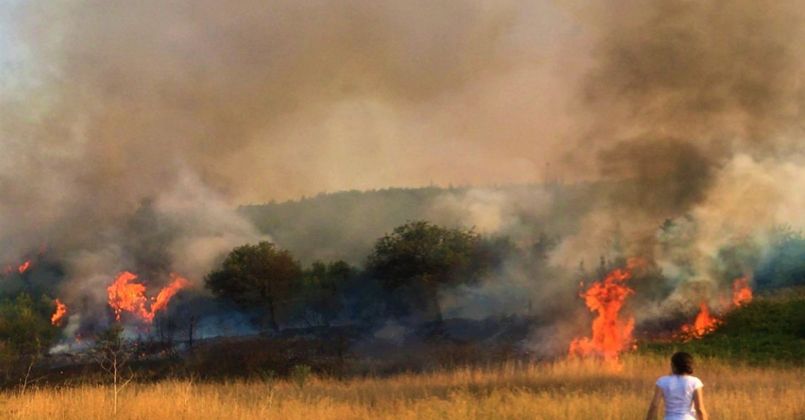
(24, 266)
(165, 295)
(741, 292)
(59, 313)
(703, 324)
(706, 323)
(126, 295)
(611, 334)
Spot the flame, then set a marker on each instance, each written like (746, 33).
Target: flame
(59, 313)
(611, 334)
(127, 295)
(703, 324)
(24, 266)
(741, 292)
(165, 295)
(706, 323)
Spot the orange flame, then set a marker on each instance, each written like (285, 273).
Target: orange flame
(24, 266)
(706, 323)
(611, 334)
(741, 292)
(703, 324)
(127, 295)
(59, 313)
(165, 295)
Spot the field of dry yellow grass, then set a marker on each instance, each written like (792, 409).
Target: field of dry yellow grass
(564, 390)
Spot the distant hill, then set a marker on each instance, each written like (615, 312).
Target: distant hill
(345, 225)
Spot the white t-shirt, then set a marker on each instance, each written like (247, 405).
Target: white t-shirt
(678, 393)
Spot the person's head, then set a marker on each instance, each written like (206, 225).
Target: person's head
(682, 363)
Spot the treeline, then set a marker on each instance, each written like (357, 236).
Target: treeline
(401, 278)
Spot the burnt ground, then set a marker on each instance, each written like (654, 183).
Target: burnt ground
(335, 351)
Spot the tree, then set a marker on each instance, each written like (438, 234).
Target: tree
(419, 258)
(322, 291)
(113, 354)
(260, 276)
(25, 333)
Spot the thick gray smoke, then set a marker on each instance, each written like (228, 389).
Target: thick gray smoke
(130, 130)
(698, 104)
(693, 113)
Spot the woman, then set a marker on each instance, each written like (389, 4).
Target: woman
(681, 391)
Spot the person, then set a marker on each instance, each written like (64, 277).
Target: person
(681, 391)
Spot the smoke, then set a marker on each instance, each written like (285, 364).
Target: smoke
(690, 119)
(131, 130)
(690, 102)
(109, 110)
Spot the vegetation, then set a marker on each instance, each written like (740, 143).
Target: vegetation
(25, 334)
(333, 324)
(418, 258)
(113, 354)
(404, 274)
(561, 390)
(257, 275)
(770, 329)
(323, 292)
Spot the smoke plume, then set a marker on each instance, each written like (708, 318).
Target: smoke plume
(131, 130)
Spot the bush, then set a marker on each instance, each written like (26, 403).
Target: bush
(300, 375)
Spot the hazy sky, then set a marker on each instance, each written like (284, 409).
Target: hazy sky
(273, 100)
(109, 102)
(174, 112)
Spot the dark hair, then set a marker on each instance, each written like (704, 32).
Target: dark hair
(682, 363)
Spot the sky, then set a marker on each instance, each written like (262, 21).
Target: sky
(275, 100)
(109, 104)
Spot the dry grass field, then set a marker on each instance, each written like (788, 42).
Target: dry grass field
(564, 390)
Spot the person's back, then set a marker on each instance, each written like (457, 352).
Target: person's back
(677, 391)
(681, 391)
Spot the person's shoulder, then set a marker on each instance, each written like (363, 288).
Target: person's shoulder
(662, 380)
(696, 382)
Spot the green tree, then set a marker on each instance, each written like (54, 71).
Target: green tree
(25, 333)
(258, 276)
(322, 291)
(418, 258)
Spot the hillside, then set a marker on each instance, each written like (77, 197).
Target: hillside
(769, 329)
(345, 225)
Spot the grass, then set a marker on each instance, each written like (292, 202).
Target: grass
(769, 330)
(562, 390)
